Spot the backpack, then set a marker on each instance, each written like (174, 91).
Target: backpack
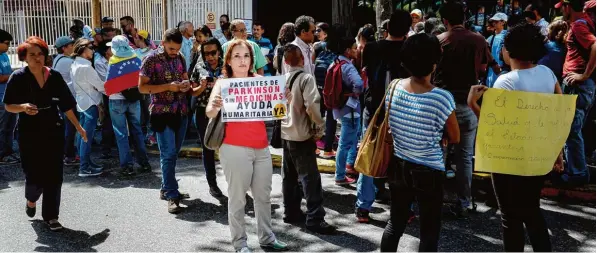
(334, 93)
(322, 63)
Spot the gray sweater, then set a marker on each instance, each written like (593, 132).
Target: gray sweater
(304, 119)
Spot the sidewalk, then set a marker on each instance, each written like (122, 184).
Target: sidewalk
(585, 193)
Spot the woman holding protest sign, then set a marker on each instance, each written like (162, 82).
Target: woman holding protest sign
(519, 196)
(245, 158)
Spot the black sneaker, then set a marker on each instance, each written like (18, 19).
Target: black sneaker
(30, 211)
(294, 219)
(362, 215)
(322, 228)
(181, 195)
(216, 192)
(127, 170)
(174, 206)
(55, 225)
(145, 168)
(9, 159)
(71, 162)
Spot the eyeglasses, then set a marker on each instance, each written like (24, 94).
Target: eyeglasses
(210, 53)
(241, 30)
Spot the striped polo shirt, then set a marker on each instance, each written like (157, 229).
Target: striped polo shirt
(417, 122)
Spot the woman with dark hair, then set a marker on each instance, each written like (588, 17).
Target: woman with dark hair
(519, 196)
(38, 94)
(202, 35)
(245, 158)
(206, 72)
(285, 36)
(89, 89)
(419, 114)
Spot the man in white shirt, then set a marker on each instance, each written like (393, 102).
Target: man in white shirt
(62, 63)
(305, 35)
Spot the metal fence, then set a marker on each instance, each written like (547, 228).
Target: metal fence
(196, 10)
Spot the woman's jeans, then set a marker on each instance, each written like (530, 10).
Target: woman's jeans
(347, 146)
(518, 198)
(209, 156)
(407, 182)
(576, 171)
(88, 120)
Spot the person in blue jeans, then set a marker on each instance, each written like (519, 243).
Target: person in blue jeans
(206, 72)
(126, 114)
(349, 115)
(164, 76)
(579, 79)
(8, 121)
(88, 93)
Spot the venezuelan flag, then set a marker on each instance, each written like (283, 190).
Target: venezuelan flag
(123, 73)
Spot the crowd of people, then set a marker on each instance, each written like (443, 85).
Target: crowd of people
(428, 72)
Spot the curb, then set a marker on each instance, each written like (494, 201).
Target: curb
(584, 194)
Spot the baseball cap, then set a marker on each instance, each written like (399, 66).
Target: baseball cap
(144, 34)
(559, 4)
(120, 46)
(499, 17)
(63, 41)
(107, 19)
(417, 12)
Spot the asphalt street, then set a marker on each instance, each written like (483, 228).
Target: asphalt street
(110, 213)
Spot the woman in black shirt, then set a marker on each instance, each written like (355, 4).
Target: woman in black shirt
(38, 94)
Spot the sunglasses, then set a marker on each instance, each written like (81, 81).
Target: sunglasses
(210, 53)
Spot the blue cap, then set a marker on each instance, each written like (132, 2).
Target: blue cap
(120, 46)
(63, 41)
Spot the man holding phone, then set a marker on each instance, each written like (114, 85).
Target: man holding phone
(164, 76)
(205, 73)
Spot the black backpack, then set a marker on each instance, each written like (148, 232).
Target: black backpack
(322, 63)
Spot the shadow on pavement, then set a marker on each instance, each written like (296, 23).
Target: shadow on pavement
(66, 240)
(199, 211)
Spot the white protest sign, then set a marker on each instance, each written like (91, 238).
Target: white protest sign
(253, 98)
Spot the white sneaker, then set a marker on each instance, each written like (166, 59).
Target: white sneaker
(244, 250)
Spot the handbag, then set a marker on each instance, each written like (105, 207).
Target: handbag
(214, 133)
(132, 94)
(276, 140)
(377, 146)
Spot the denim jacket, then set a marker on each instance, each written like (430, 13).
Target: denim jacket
(350, 78)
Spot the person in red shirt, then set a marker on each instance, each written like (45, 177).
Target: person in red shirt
(579, 79)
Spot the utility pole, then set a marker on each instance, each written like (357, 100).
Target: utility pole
(165, 19)
(96, 13)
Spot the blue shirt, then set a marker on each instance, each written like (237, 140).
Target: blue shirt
(267, 50)
(555, 57)
(417, 122)
(350, 78)
(186, 49)
(496, 49)
(5, 69)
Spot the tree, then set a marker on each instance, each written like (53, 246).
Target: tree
(342, 14)
(383, 10)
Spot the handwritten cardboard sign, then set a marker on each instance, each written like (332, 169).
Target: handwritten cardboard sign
(522, 133)
(253, 99)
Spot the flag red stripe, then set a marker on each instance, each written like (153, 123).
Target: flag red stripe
(121, 83)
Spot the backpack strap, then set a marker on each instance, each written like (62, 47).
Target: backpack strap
(293, 79)
(57, 60)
